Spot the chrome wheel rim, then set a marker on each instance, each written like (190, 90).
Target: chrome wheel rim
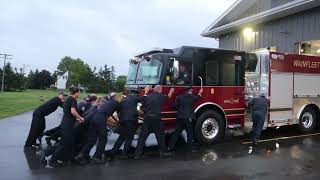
(210, 128)
(307, 120)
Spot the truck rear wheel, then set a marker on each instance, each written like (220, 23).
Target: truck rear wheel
(308, 120)
(209, 127)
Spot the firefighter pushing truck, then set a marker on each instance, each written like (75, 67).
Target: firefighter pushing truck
(229, 80)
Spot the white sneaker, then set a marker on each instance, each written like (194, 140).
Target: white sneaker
(250, 150)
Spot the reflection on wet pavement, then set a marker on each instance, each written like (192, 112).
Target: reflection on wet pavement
(295, 158)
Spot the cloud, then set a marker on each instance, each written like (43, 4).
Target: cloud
(41, 32)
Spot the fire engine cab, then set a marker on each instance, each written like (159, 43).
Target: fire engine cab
(229, 80)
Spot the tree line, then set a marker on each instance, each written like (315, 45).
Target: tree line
(97, 80)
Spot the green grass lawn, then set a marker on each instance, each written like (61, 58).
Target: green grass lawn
(13, 103)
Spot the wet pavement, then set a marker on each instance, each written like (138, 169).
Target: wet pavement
(295, 158)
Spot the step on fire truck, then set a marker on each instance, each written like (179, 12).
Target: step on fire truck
(229, 80)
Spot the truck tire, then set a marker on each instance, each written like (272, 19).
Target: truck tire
(308, 120)
(209, 127)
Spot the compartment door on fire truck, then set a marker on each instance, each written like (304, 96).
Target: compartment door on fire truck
(281, 98)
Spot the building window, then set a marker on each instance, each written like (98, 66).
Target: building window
(308, 48)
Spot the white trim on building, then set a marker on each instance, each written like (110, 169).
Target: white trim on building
(274, 13)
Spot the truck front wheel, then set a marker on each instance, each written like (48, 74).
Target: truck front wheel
(308, 120)
(209, 128)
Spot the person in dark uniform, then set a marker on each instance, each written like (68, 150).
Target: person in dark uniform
(152, 106)
(128, 115)
(184, 104)
(82, 129)
(259, 106)
(38, 124)
(184, 77)
(80, 134)
(54, 134)
(70, 115)
(86, 104)
(98, 131)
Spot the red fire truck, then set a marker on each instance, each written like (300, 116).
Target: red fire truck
(229, 80)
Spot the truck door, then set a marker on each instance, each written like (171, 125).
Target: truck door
(223, 74)
(281, 95)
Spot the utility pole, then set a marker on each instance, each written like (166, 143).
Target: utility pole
(4, 57)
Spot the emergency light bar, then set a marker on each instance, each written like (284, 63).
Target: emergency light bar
(152, 51)
(134, 61)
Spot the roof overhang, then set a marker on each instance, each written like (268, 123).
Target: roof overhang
(265, 16)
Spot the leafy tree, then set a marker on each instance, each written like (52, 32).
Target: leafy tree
(55, 76)
(14, 80)
(78, 70)
(120, 82)
(107, 76)
(30, 79)
(98, 80)
(45, 79)
(39, 80)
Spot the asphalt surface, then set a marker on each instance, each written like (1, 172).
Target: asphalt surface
(296, 158)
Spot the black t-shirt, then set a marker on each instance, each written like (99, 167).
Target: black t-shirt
(50, 106)
(70, 102)
(128, 108)
(184, 104)
(153, 103)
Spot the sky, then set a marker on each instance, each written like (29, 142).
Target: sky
(38, 33)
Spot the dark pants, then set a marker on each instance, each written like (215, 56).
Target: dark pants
(65, 151)
(182, 124)
(54, 133)
(127, 130)
(97, 131)
(151, 123)
(81, 136)
(38, 125)
(258, 119)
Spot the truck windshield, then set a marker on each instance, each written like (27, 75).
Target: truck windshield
(149, 72)
(132, 73)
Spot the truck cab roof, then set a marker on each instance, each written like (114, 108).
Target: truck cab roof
(183, 51)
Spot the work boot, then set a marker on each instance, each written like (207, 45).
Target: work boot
(124, 156)
(109, 158)
(171, 150)
(109, 155)
(48, 141)
(165, 154)
(192, 149)
(55, 164)
(81, 159)
(254, 143)
(42, 157)
(96, 160)
(138, 157)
